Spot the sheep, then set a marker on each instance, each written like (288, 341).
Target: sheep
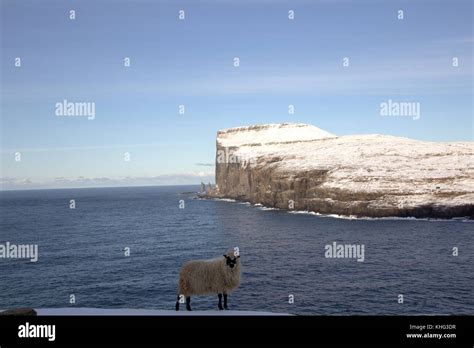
(215, 276)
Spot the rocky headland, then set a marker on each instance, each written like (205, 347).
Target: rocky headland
(301, 167)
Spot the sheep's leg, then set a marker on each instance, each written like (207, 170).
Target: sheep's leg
(225, 301)
(177, 303)
(220, 301)
(188, 303)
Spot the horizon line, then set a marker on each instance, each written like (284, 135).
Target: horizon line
(94, 187)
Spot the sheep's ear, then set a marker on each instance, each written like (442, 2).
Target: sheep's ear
(225, 256)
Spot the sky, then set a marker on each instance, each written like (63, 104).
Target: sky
(190, 62)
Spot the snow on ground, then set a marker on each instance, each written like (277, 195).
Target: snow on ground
(414, 171)
(285, 132)
(146, 312)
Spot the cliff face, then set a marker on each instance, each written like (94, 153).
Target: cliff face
(300, 167)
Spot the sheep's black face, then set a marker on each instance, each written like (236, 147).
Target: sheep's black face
(231, 261)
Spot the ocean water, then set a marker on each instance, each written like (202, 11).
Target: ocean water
(81, 252)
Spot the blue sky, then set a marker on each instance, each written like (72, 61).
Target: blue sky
(190, 62)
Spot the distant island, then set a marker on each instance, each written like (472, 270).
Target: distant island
(301, 167)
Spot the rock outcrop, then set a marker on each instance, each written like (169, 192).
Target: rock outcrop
(301, 167)
(20, 312)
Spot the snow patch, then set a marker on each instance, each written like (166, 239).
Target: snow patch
(269, 133)
(145, 312)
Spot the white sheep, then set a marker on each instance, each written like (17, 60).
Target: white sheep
(215, 276)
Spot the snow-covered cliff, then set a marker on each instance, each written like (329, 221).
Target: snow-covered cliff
(301, 167)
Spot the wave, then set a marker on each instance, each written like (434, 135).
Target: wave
(267, 208)
(260, 206)
(354, 217)
(225, 200)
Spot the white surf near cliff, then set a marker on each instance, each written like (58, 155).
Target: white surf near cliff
(363, 175)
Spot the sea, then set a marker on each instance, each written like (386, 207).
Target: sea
(123, 248)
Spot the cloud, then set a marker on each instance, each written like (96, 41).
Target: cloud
(205, 164)
(78, 148)
(191, 178)
(421, 71)
(385, 77)
(456, 41)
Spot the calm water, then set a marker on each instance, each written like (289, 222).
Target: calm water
(81, 253)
